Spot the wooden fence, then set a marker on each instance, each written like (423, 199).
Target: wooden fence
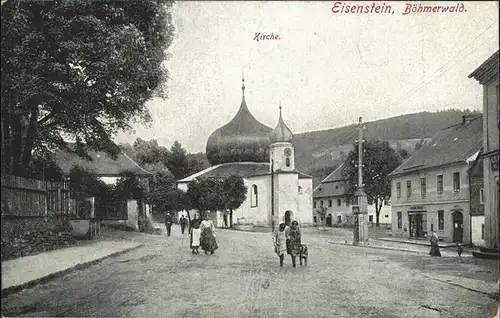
(23, 197)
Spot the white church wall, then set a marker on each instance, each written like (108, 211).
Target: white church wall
(256, 214)
(287, 198)
(305, 202)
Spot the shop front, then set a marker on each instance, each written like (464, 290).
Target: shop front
(417, 221)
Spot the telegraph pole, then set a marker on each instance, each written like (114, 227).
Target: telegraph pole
(360, 210)
(272, 194)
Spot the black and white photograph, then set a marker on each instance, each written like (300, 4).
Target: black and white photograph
(250, 158)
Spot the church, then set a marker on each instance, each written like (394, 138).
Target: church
(264, 158)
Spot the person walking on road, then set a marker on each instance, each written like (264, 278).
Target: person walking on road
(279, 240)
(434, 245)
(208, 242)
(195, 233)
(293, 247)
(168, 223)
(183, 222)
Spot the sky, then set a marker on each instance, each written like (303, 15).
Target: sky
(327, 69)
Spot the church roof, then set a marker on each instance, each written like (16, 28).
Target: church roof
(243, 139)
(456, 144)
(281, 133)
(242, 169)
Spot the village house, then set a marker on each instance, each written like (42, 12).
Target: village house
(109, 170)
(476, 184)
(330, 193)
(430, 190)
(487, 75)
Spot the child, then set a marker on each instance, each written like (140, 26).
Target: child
(460, 249)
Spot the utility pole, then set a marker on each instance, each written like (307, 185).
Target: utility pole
(360, 210)
(272, 194)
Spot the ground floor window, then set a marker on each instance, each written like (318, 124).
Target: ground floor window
(441, 220)
(315, 219)
(400, 220)
(482, 231)
(339, 219)
(370, 218)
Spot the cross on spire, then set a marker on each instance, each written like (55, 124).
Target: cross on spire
(243, 83)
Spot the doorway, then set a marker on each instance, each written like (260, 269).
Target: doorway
(288, 217)
(458, 227)
(418, 224)
(329, 220)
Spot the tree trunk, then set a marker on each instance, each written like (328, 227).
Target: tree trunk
(378, 206)
(16, 145)
(30, 138)
(231, 218)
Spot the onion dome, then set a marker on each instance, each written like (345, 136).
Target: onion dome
(281, 133)
(243, 139)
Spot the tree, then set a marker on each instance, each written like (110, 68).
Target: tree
(379, 159)
(177, 161)
(234, 193)
(78, 69)
(404, 154)
(84, 184)
(205, 195)
(322, 215)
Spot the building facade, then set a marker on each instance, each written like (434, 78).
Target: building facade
(476, 187)
(430, 191)
(265, 159)
(487, 75)
(330, 194)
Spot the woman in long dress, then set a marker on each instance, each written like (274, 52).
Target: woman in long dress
(279, 240)
(295, 241)
(434, 245)
(195, 231)
(208, 242)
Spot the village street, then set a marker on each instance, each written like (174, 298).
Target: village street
(243, 279)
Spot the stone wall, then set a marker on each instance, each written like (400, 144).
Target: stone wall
(22, 236)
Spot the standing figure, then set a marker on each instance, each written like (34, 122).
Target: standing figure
(460, 250)
(294, 246)
(194, 230)
(434, 245)
(168, 222)
(279, 240)
(183, 222)
(208, 242)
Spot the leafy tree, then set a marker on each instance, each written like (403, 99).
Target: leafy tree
(404, 154)
(130, 187)
(84, 184)
(177, 161)
(234, 193)
(379, 159)
(78, 69)
(205, 195)
(149, 152)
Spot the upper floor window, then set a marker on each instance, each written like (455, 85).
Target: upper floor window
(300, 190)
(423, 186)
(321, 202)
(439, 183)
(339, 202)
(287, 162)
(456, 181)
(398, 189)
(481, 196)
(329, 203)
(408, 188)
(314, 204)
(255, 196)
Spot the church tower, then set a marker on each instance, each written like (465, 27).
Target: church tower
(282, 153)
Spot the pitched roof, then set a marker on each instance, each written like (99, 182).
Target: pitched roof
(336, 175)
(101, 165)
(454, 144)
(242, 169)
(487, 71)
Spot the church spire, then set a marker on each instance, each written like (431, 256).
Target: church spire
(243, 84)
(281, 133)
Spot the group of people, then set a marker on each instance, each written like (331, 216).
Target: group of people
(288, 240)
(435, 246)
(201, 232)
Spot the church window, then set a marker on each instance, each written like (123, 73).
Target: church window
(255, 196)
(287, 162)
(300, 190)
